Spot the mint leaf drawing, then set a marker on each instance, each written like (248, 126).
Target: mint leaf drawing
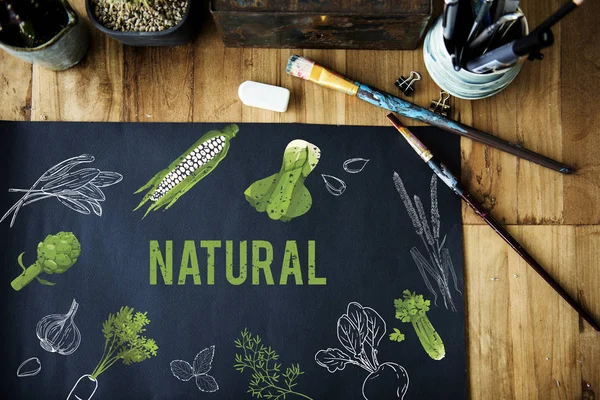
(183, 371)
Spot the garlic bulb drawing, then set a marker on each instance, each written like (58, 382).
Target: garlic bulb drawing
(58, 332)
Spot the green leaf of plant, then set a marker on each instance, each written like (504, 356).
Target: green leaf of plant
(397, 336)
(45, 282)
(20, 261)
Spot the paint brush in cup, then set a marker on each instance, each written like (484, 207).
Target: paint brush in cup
(450, 180)
(308, 70)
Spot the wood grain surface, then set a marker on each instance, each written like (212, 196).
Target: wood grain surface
(524, 342)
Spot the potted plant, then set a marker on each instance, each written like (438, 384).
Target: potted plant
(143, 22)
(44, 32)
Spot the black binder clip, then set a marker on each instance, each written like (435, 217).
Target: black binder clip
(406, 84)
(441, 106)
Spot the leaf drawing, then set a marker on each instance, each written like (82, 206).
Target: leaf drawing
(203, 360)
(349, 335)
(71, 181)
(333, 359)
(79, 190)
(334, 185)
(206, 383)
(375, 327)
(183, 371)
(438, 266)
(397, 336)
(361, 346)
(65, 166)
(27, 368)
(355, 165)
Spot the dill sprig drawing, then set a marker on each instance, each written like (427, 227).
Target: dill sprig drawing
(267, 380)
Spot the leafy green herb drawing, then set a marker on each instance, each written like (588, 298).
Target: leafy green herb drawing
(123, 342)
(413, 308)
(267, 382)
(78, 190)
(283, 195)
(55, 255)
(359, 331)
(397, 336)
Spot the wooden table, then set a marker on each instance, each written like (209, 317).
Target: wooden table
(524, 341)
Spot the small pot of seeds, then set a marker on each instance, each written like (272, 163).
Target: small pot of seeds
(143, 22)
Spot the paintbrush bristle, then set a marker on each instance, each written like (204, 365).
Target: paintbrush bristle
(299, 67)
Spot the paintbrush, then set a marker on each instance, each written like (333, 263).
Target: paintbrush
(559, 14)
(310, 71)
(450, 180)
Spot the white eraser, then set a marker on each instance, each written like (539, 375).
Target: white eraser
(265, 96)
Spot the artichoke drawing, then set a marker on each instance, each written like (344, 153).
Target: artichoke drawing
(55, 255)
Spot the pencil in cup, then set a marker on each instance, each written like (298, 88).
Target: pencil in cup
(308, 70)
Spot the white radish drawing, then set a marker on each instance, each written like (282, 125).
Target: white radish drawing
(359, 331)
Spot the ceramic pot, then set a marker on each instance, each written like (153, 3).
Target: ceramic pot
(178, 35)
(61, 52)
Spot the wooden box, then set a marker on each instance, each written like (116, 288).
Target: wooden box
(323, 24)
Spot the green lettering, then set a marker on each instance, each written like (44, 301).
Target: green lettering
(258, 264)
(156, 259)
(312, 273)
(290, 254)
(210, 246)
(243, 262)
(189, 255)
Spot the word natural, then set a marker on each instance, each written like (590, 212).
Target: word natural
(260, 254)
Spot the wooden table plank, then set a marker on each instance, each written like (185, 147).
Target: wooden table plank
(580, 82)
(159, 84)
(525, 342)
(90, 91)
(15, 88)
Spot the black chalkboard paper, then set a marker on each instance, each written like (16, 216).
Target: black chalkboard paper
(346, 214)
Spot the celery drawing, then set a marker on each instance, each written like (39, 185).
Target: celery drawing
(268, 381)
(359, 331)
(183, 371)
(283, 195)
(167, 186)
(79, 190)
(55, 255)
(439, 266)
(413, 308)
(123, 342)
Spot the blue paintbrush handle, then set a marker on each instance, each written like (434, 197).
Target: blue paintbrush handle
(410, 110)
